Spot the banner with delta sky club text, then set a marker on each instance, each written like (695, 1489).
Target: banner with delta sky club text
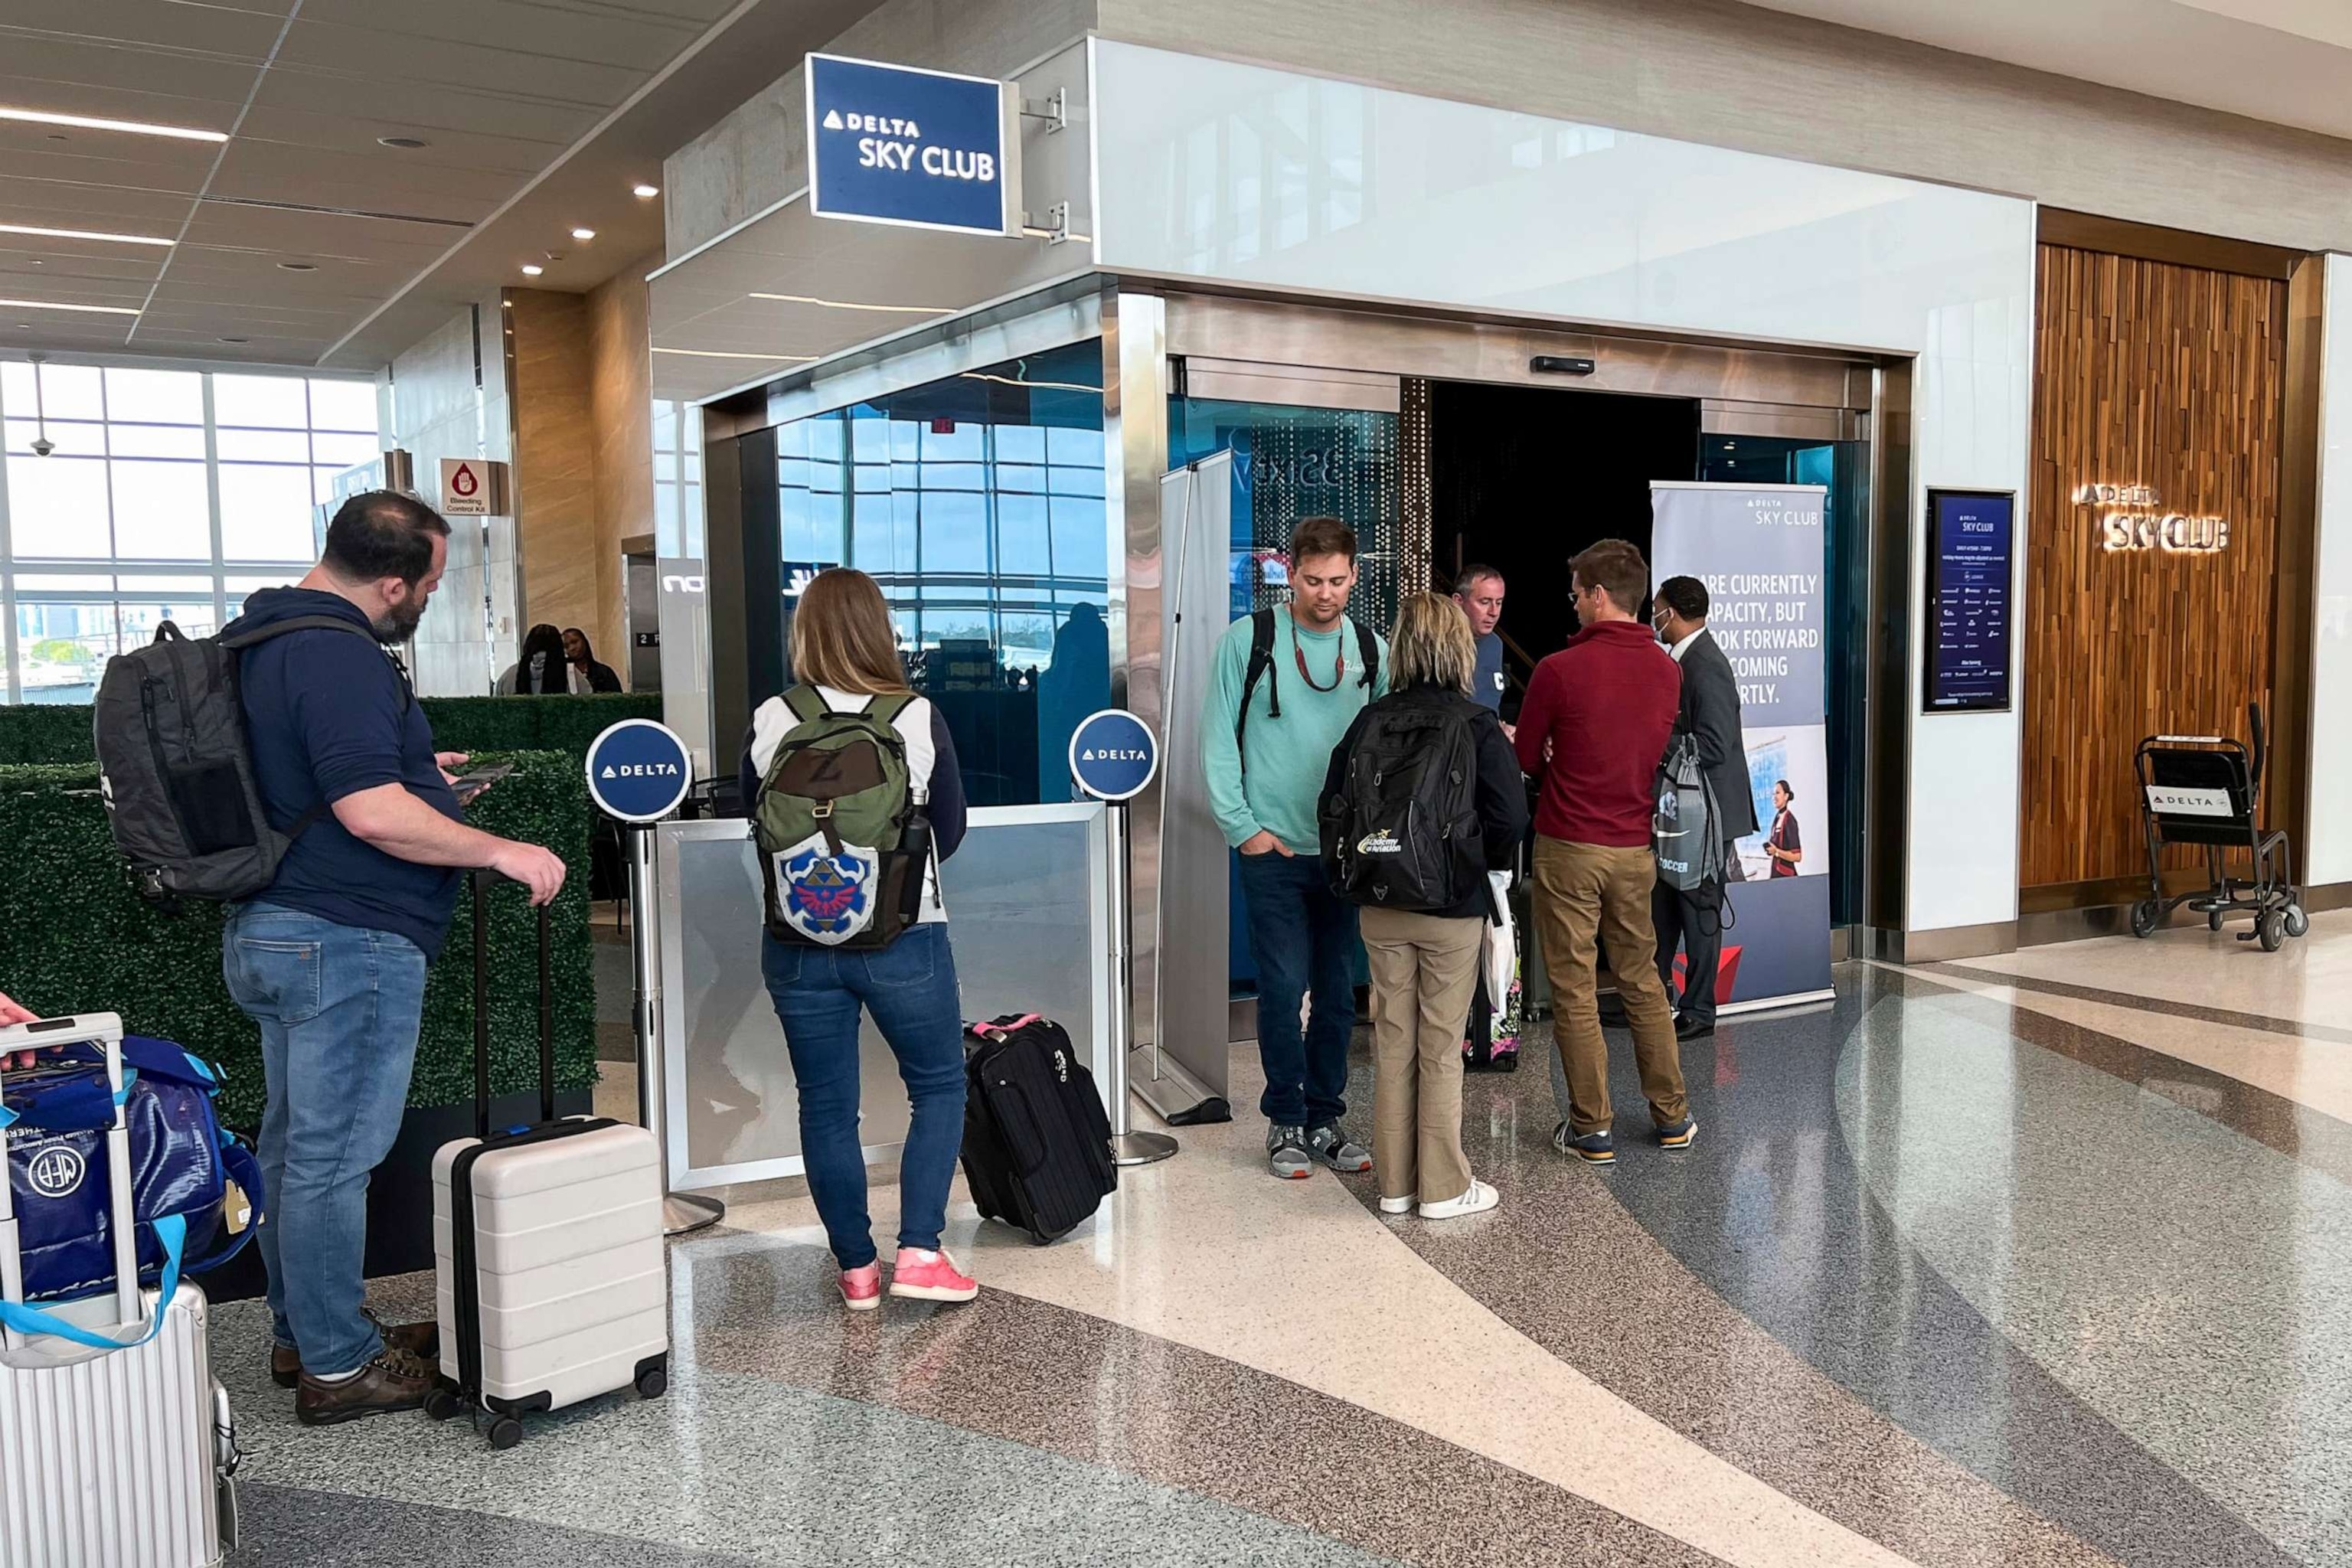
(1761, 550)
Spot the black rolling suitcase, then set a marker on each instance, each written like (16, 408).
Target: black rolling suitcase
(1037, 1140)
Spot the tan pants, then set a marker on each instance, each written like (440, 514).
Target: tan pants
(1581, 889)
(1424, 968)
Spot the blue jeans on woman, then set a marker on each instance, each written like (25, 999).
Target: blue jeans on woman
(338, 1008)
(910, 986)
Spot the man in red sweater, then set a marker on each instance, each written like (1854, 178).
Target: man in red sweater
(1593, 728)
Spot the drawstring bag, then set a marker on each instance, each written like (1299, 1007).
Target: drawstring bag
(53, 1118)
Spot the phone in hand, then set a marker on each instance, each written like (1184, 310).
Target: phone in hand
(471, 785)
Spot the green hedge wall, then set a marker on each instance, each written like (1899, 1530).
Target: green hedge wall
(36, 733)
(73, 939)
(564, 724)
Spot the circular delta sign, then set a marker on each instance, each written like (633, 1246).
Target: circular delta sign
(638, 771)
(1113, 755)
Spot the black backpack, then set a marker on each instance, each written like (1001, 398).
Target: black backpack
(176, 772)
(1402, 832)
(1260, 666)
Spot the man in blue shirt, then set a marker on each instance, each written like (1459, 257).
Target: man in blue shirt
(1479, 591)
(330, 959)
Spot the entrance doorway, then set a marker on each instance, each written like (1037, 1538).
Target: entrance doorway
(1523, 478)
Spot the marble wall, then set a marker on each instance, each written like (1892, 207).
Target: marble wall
(555, 458)
(445, 396)
(620, 389)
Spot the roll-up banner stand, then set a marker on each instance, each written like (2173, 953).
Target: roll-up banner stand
(1761, 551)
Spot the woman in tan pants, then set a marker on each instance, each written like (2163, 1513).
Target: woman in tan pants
(1425, 962)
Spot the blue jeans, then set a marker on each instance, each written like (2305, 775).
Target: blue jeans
(338, 1006)
(910, 986)
(1304, 941)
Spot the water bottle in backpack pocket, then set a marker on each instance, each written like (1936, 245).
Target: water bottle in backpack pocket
(1402, 832)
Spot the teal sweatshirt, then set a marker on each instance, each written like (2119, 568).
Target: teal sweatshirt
(1287, 756)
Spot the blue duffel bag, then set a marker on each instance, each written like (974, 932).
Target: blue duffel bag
(184, 1164)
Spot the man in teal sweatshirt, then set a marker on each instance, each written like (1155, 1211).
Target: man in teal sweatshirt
(1263, 786)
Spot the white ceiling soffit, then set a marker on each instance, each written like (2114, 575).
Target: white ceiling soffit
(2285, 61)
(301, 231)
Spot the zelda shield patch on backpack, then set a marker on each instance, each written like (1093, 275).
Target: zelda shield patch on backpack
(826, 896)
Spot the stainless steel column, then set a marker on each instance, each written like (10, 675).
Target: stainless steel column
(1128, 1147)
(681, 1211)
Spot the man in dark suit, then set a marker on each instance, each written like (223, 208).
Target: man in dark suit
(1710, 711)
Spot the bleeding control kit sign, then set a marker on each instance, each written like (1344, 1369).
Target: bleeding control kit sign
(922, 149)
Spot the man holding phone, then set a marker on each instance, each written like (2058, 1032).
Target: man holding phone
(330, 959)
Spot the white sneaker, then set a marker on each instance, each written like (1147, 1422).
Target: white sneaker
(1396, 1205)
(1477, 1200)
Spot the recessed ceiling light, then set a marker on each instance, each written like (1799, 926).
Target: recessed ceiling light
(57, 305)
(237, 340)
(646, 193)
(405, 143)
(532, 270)
(583, 235)
(132, 127)
(298, 267)
(83, 234)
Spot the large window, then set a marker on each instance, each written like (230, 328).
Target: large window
(169, 495)
(976, 503)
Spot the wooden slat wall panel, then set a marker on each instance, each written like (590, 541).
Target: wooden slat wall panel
(2146, 374)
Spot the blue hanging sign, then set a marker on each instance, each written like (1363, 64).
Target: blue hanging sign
(638, 771)
(1113, 755)
(923, 149)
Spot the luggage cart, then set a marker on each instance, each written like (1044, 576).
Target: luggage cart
(2202, 790)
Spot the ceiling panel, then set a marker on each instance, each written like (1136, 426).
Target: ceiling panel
(505, 93)
(621, 37)
(279, 171)
(372, 55)
(421, 106)
(245, 29)
(93, 77)
(521, 156)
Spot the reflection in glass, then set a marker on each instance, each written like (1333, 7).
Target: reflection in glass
(976, 503)
(1290, 463)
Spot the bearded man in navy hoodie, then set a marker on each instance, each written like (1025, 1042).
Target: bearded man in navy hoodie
(330, 959)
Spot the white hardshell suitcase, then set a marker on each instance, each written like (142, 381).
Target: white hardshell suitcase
(109, 1457)
(553, 1286)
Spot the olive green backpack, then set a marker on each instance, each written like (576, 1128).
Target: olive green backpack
(843, 847)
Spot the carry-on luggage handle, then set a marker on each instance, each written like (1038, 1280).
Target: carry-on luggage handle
(18, 1322)
(482, 1015)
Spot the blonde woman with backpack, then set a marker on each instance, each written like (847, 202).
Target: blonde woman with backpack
(1422, 798)
(852, 754)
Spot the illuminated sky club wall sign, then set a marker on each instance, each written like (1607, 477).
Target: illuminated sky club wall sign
(2135, 518)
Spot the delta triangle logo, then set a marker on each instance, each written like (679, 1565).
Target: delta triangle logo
(833, 120)
(608, 771)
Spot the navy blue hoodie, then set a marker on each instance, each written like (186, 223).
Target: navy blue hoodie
(329, 715)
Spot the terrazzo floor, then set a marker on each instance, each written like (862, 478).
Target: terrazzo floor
(2044, 1259)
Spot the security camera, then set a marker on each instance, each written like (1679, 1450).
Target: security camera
(43, 447)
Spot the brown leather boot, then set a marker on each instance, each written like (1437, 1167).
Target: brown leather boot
(395, 1380)
(418, 1338)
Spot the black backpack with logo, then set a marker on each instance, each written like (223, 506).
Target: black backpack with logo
(1402, 832)
(177, 773)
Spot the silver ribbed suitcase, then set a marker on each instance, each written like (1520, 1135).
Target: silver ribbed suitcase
(109, 1457)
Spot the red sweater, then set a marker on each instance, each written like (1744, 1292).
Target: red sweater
(1607, 704)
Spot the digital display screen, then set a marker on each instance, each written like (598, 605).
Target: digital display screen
(1971, 533)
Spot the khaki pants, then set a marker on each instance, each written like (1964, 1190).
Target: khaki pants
(1581, 889)
(1424, 968)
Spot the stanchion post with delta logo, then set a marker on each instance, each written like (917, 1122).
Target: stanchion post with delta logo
(638, 773)
(1114, 756)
